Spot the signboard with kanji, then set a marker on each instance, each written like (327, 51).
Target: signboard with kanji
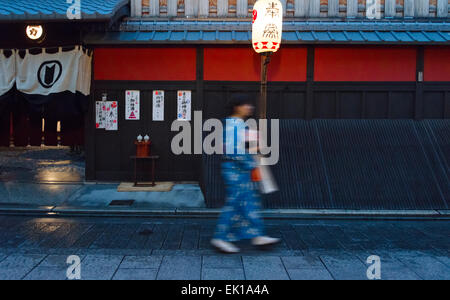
(111, 115)
(158, 105)
(184, 105)
(132, 105)
(99, 115)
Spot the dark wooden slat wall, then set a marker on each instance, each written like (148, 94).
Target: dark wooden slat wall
(354, 164)
(108, 152)
(114, 148)
(340, 100)
(285, 101)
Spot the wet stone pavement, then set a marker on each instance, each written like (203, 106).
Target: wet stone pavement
(41, 165)
(139, 248)
(55, 177)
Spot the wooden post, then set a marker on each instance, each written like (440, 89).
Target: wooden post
(199, 77)
(301, 8)
(422, 8)
(408, 9)
(314, 8)
(420, 67)
(222, 8)
(447, 106)
(442, 8)
(136, 8)
(172, 8)
(309, 106)
(265, 60)
(154, 8)
(333, 8)
(203, 8)
(390, 8)
(190, 8)
(352, 8)
(11, 130)
(242, 8)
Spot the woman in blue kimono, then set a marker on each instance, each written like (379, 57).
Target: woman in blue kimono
(240, 218)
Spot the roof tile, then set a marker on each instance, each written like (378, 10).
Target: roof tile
(56, 9)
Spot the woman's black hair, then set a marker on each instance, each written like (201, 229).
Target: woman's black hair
(237, 100)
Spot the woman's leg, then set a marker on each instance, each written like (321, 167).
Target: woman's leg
(252, 224)
(225, 226)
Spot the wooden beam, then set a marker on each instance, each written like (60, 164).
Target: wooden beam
(136, 8)
(390, 8)
(422, 8)
(242, 8)
(352, 8)
(442, 8)
(222, 8)
(154, 8)
(172, 8)
(190, 8)
(301, 8)
(203, 8)
(408, 8)
(314, 8)
(333, 8)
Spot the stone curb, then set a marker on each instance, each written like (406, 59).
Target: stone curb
(213, 213)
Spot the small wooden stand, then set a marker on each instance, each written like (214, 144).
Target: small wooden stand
(152, 158)
(142, 148)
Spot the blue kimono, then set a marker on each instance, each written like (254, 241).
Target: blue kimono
(240, 218)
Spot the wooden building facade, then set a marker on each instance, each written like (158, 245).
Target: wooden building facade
(336, 64)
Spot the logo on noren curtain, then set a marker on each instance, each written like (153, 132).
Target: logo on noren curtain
(49, 73)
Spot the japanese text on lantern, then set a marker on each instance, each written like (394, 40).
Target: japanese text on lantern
(267, 25)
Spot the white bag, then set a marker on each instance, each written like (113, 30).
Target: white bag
(267, 184)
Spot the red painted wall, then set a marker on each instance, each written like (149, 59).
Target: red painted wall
(365, 64)
(288, 64)
(437, 64)
(178, 64)
(231, 64)
(243, 64)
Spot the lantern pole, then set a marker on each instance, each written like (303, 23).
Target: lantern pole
(267, 24)
(265, 60)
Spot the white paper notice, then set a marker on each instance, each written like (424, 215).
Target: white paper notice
(100, 107)
(184, 105)
(132, 105)
(158, 105)
(111, 116)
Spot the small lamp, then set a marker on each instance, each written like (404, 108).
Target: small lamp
(34, 32)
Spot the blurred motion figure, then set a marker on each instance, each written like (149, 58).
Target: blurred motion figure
(240, 218)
